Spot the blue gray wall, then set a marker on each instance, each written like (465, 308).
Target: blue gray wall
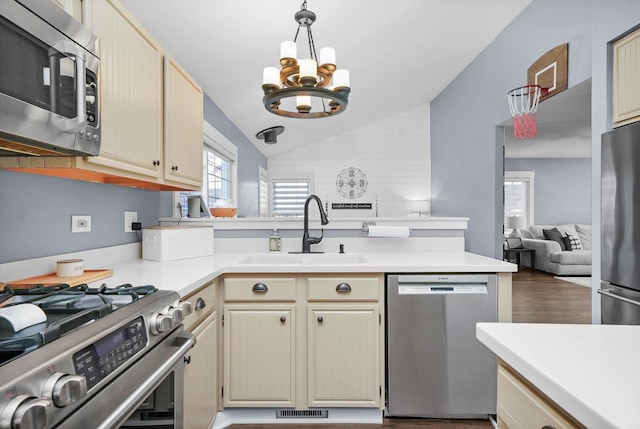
(35, 211)
(466, 148)
(35, 214)
(562, 188)
(249, 158)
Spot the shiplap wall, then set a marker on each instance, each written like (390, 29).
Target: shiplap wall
(394, 153)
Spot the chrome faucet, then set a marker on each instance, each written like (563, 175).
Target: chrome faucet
(307, 241)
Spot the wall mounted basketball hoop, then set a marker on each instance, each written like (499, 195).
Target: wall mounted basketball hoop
(523, 104)
(546, 77)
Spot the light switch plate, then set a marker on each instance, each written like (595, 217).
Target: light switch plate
(80, 223)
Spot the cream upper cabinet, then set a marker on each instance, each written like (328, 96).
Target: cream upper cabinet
(151, 111)
(343, 355)
(200, 376)
(182, 126)
(259, 355)
(626, 79)
(131, 84)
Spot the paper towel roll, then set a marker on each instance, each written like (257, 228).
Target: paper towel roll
(21, 316)
(389, 231)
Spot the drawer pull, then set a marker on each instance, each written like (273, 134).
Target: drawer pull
(548, 427)
(260, 288)
(320, 319)
(343, 288)
(283, 319)
(200, 304)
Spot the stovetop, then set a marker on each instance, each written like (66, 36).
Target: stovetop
(66, 308)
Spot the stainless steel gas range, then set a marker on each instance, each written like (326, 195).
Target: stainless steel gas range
(103, 358)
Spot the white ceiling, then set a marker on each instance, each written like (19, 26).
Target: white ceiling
(400, 53)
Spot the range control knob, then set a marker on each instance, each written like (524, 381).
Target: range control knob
(27, 412)
(185, 306)
(175, 313)
(161, 323)
(65, 389)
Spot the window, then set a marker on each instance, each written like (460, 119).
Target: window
(263, 178)
(288, 197)
(518, 195)
(218, 171)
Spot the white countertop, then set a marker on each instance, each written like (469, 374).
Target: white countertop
(185, 276)
(588, 370)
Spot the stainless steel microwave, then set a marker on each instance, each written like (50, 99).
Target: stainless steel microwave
(49, 85)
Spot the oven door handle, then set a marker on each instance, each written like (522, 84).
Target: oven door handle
(184, 341)
(607, 292)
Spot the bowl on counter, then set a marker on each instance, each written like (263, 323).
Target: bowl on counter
(223, 211)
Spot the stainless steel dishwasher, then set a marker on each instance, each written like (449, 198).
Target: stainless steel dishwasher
(436, 368)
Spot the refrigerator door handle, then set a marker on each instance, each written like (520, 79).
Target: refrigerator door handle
(607, 292)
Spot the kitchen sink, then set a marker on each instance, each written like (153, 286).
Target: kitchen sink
(305, 259)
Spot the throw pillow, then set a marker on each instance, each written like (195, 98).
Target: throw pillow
(525, 233)
(572, 242)
(555, 235)
(584, 233)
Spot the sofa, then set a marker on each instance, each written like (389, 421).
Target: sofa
(563, 250)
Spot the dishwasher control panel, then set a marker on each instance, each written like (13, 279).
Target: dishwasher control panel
(429, 289)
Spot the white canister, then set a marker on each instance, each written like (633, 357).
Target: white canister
(70, 268)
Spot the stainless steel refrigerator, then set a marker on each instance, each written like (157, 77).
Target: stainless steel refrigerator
(620, 223)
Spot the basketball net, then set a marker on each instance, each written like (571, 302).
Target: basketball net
(523, 104)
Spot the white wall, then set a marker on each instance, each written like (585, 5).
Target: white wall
(394, 153)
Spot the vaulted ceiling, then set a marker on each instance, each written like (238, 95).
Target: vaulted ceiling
(400, 53)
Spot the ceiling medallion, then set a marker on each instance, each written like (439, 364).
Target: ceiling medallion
(319, 90)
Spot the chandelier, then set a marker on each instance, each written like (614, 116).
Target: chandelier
(319, 90)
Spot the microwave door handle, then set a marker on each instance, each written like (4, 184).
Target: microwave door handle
(72, 125)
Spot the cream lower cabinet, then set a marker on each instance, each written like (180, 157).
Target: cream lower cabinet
(522, 406)
(343, 356)
(259, 342)
(201, 387)
(302, 342)
(259, 355)
(200, 392)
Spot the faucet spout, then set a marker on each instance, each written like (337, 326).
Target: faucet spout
(307, 240)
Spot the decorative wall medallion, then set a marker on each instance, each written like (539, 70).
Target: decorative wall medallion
(351, 183)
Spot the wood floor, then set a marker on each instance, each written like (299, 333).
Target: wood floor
(538, 297)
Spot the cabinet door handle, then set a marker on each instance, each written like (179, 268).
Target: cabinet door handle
(343, 288)
(283, 319)
(187, 359)
(200, 304)
(548, 427)
(260, 288)
(156, 162)
(320, 319)
(174, 167)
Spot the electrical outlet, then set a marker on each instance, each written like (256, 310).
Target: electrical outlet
(129, 218)
(80, 223)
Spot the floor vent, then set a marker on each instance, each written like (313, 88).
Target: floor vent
(302, 414)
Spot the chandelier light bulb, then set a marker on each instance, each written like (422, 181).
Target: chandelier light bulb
(327, 56)
(288, 50)
(271, 76)
(341, 78)
(303, 103)
(308, 68)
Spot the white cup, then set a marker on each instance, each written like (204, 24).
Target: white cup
(70, 268)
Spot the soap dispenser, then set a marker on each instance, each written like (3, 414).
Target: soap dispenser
(275, 241)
